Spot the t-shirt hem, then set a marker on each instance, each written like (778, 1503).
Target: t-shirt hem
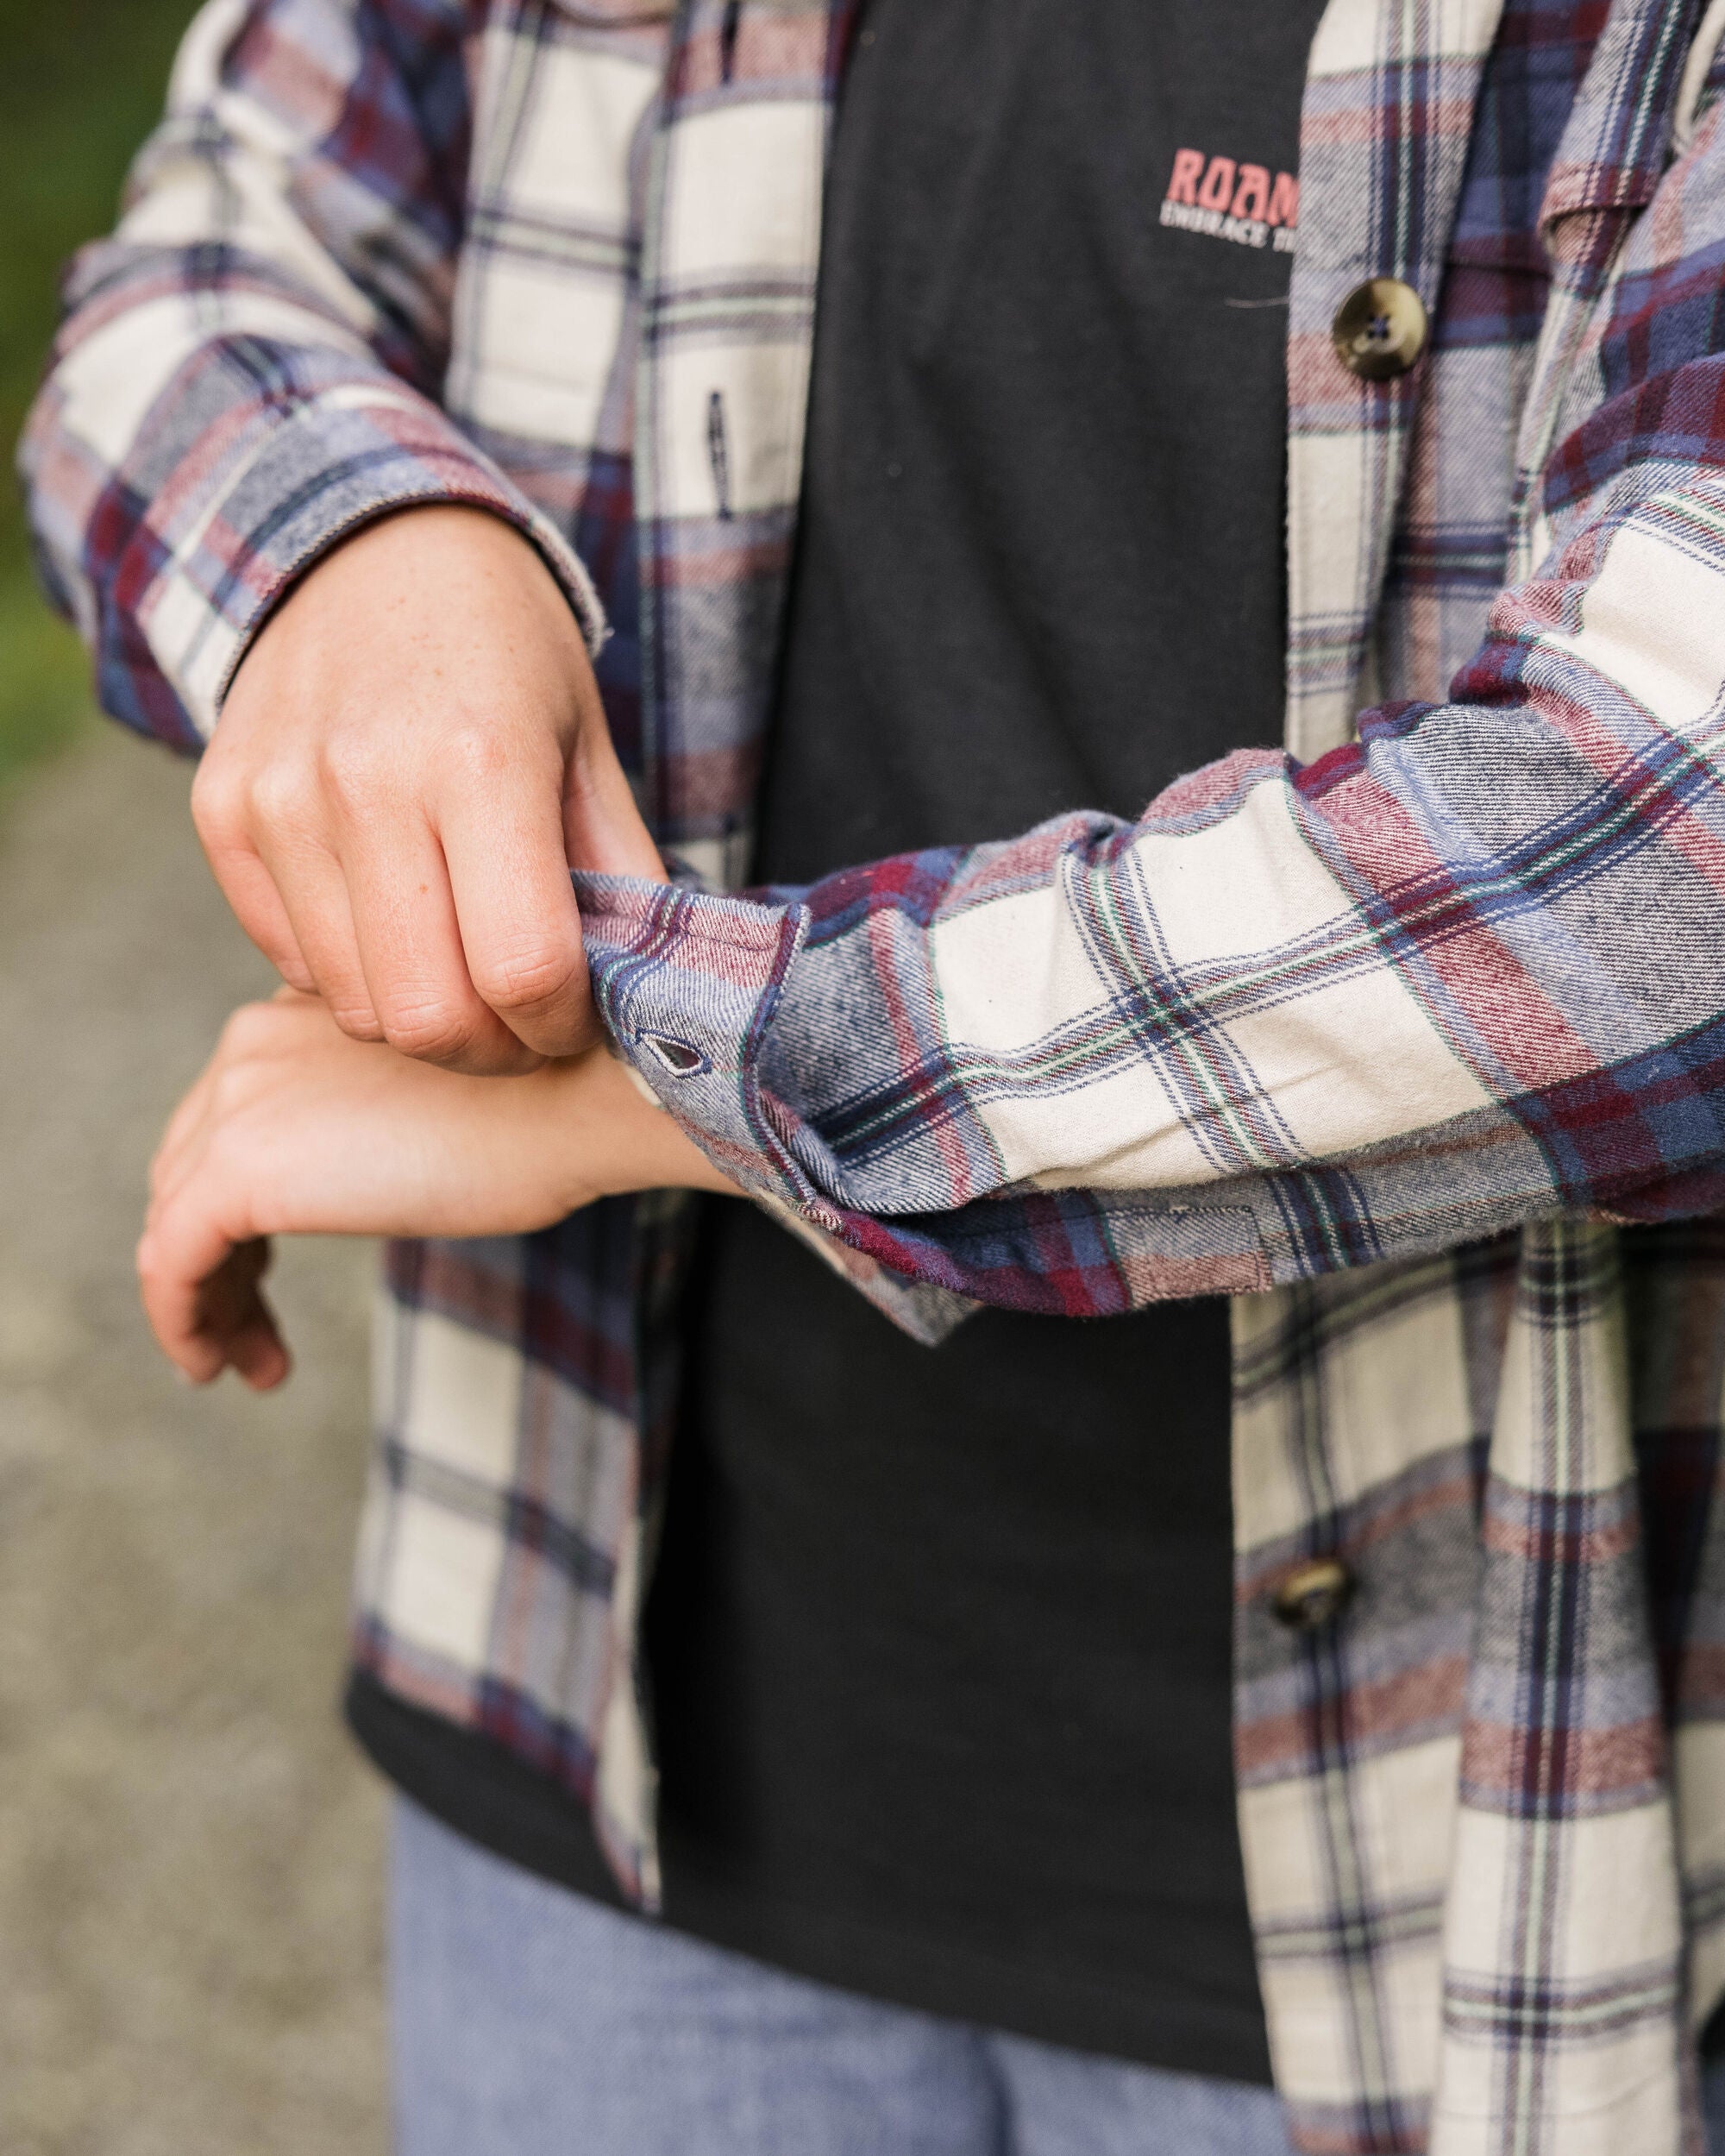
(476, 1788)
(472, 1784)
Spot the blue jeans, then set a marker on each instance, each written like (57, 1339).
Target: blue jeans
(529, 2022)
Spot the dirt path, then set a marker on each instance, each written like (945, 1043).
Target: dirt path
(189, 1848)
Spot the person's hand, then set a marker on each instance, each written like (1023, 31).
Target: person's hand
(408, 760)
(295, 1128)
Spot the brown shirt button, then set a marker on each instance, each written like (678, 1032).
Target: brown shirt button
(1313, 1593)
(1380, 329)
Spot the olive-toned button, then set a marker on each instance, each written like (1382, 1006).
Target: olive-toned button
(1380, 329)
(1313, 1593)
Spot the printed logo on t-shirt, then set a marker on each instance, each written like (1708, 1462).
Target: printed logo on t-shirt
(1229, 201)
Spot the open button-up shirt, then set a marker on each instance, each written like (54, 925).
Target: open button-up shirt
(1412, 1038)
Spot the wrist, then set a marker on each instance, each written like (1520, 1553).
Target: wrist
(609, 1136)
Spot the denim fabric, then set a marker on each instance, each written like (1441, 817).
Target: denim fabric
(530, 2021)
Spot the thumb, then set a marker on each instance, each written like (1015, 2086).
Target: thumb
(604, 830)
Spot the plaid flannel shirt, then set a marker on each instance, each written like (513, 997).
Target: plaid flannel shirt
(1409, 1039)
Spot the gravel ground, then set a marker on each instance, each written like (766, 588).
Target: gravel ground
(189, 1848)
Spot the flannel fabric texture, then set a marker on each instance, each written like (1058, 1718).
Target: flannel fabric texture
(1411, 1039)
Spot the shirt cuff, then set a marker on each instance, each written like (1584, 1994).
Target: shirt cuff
(308, 477)
(686, 985)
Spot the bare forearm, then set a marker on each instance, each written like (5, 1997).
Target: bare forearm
(294, 1128)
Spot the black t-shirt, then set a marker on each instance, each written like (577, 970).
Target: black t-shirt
(941, 1640)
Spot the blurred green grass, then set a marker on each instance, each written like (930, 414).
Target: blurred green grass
(81, 84)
